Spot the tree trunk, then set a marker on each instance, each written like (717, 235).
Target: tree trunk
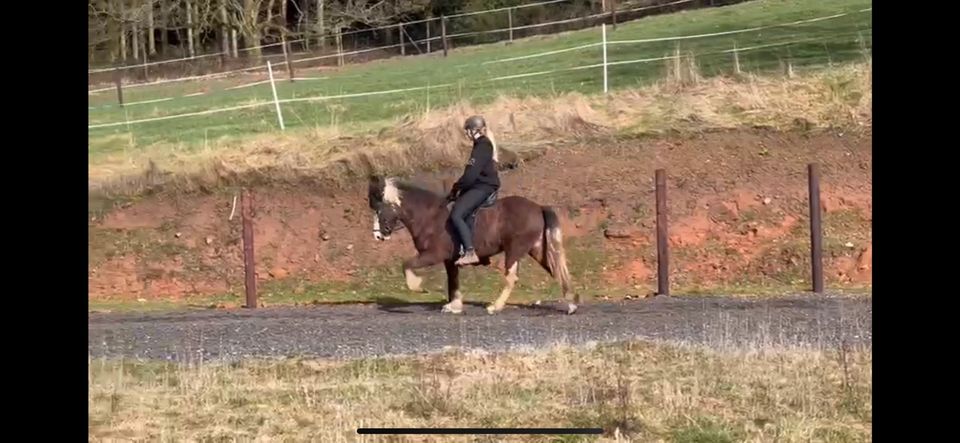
(283, 19)
(339, 39)
(111, 29)
(233, 35)
(305, 23)
(251, 29)
(165, 19)
(190, 29)
(198, 27)
(151, 42)
(224, 29)
(320, 38)
(256, 52)
(123, 32)
(136, 41)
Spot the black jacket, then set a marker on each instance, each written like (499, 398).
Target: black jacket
(481, 170)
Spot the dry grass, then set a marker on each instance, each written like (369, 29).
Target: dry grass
(684, 101)
(636, 391)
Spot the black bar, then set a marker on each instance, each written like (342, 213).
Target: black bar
(118, 79)
(816, 230)
(663, 247)
(477, 431)
(249, 266)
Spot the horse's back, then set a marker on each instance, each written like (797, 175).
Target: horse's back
(513, 222)
(517, 203)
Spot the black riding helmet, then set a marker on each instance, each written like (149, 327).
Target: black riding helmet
(474, 123)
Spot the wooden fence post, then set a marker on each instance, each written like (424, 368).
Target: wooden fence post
(118, 79)
(510, 22)
(443, 33)
(429, 19)
(403, 48)
(286, 57)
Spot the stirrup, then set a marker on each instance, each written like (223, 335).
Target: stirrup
(461, 261)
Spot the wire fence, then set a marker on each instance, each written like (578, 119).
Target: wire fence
(415, 37)
(249, 104)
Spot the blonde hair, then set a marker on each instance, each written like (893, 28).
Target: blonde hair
(493, 141)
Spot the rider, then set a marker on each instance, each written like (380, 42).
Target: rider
(478, 182)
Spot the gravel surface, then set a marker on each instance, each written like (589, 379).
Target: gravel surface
(376, 330)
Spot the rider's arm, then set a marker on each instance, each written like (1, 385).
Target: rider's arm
(481, 155)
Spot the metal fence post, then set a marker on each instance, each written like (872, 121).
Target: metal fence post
(816, 232)
(249, 264)
(663, 252)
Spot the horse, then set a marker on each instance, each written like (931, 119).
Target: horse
(513, 225)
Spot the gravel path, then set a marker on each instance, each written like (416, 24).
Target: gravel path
(373, 330)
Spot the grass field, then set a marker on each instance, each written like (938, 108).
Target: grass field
(818, 43)
(635, 391)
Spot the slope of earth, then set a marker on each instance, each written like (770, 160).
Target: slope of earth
(738, 220)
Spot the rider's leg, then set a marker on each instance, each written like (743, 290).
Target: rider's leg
(465, 205)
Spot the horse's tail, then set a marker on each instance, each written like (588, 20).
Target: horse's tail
(556, 258)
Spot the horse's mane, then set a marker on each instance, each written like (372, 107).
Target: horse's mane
(418, 193)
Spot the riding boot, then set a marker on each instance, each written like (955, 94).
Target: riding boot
(469, 258)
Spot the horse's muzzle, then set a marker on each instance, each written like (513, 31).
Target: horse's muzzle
(380, 236)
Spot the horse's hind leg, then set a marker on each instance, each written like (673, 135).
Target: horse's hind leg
(539, 254)
(454, 296)
(511, 264)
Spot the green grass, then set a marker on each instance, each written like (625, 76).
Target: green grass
(383, 285)
(825, 42)
(386, 285)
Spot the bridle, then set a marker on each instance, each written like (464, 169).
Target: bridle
(378, 233)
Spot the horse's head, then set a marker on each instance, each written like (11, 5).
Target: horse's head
(384, 199)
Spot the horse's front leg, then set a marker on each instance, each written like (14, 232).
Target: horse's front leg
(415, 282)
(454, 296)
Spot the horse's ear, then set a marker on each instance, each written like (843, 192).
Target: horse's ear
(375, 190)
(376, 182)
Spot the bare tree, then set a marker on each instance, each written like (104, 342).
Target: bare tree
(250, 22)
(101, 30)
(119, 29)
(346, 13)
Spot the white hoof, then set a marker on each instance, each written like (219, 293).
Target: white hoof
(414, 282)
(454, 307)
(492, 309)
(571, 308)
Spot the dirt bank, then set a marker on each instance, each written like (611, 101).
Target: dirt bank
(738, 216)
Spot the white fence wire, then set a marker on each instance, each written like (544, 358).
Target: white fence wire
(263, 66)
(604, 66)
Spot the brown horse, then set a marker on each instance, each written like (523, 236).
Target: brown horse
(513, 225)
